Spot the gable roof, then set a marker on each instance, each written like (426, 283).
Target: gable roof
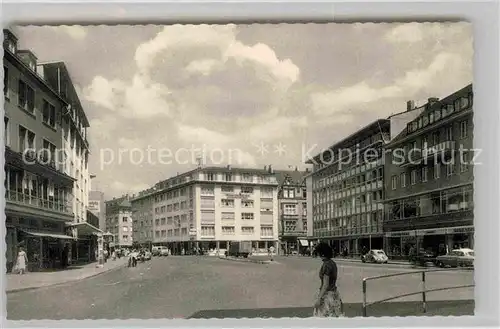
(295, 177)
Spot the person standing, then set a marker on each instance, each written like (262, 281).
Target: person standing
(329, 303)
(22, 261)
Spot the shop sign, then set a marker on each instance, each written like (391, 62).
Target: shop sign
(438, 231)
(461, 230)
(236, 196)
(399, 234)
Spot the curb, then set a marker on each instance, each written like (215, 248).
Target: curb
(246, 260)
(64, 282)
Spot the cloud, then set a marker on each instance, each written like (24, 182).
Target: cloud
(202, 66)
(408, 32)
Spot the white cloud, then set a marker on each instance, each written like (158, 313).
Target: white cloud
(202, 66)
(141, 98)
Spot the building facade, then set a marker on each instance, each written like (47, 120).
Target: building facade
(119, 221)
(292, 205)
(97, 206)
(38, 190)
(142, 217)
(206, 208)
(429, 179)
(347, 191)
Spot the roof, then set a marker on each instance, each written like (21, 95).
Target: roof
(295, 176)
(61, 65)
(377, 124)
(431, 107)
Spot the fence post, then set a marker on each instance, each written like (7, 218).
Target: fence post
(424, 302)
(364, 297)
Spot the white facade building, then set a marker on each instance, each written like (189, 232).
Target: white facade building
(209, 207)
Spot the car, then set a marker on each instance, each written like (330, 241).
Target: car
(163, 251)
(463, 257)
(148, 255)
(155, 251)
(375, 256)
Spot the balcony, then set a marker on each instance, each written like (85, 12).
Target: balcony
(417, 157)
(24, 204)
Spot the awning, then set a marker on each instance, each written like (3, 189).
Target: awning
(50, 235)
(303, 243)
(85, 229)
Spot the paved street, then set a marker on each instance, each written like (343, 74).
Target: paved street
(182, 286)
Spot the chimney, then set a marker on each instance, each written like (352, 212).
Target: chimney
(432, 100)
(296, 168)
(271, 171)
(265, 168)
(229, 167)
(410, 105)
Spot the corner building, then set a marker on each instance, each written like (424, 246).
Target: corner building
(429, 181)
(119, 222)
(208, 207)
(346, 194)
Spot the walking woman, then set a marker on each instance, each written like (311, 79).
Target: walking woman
(21, 262)
(329, 303)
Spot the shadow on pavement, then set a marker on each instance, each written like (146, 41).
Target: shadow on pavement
(434, 308)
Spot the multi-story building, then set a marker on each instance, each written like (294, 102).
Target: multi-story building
(119, 221)
(38, 190)
(98, 207)
(292, 210)
(206, 208)
(75, 149)
(142, 217)
(429, 179)
(346, 188)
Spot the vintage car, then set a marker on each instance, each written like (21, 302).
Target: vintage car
(375, 256)
(463, 257)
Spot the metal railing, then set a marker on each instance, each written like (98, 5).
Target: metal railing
(423, 292)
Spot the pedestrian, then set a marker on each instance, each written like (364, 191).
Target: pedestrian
(113, 255)
(21, 261)
(329, 303)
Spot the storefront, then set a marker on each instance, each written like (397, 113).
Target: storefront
(436, 241)
(85, 248)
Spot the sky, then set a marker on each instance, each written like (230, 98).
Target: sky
(159, 97)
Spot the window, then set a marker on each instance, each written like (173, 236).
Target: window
(435, 138)
(163, 233)
(424, 174)
(450, 168)
(247, 215)
(413, 177)
(207, 191)
(463, 129)
(304, 209)
(208, 231)
(228, 177)
(26, 139)
(210, 176)
(26, 97)
(246, 177)
(246, 190)
(464, 162)
(125, 237)
(227, 216)
(228, 230)
(163, 221)
(124, 220)
(49, 114)
(437, 170)
(6, 82)
(403, 179)
(247, 204)
(227, 189)
(49, 151)
(125, 229)
(247, 230)
(449, 133)
(290, 209)
(394, 182)
(157, 234)
(266, 231)
(266, 192)
(227, 203)
(6, 131)
(170, 232)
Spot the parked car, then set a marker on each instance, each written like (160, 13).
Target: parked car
(463, 257)
(424, 258)
(375, 256)
(147, 255)
(155, 251)
(240, 248)
(163, 251)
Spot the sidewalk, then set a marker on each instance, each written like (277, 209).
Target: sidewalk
(434, 308)
(34, 280)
